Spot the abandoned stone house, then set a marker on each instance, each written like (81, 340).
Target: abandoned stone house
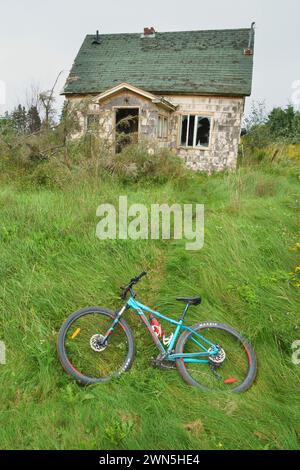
(183, 90)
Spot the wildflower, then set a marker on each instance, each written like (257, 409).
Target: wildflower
(297, 246)
(297, 269)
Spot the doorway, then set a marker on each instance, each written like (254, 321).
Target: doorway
(127, 127)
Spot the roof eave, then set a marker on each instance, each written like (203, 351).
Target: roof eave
(165, 93)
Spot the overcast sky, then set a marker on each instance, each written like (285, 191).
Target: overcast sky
(38, 38)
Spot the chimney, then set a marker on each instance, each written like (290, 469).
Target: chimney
(149, 32)
(249, 49)
(97, 39)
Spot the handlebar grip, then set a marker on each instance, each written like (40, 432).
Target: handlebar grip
(133, 281)
(137, 278)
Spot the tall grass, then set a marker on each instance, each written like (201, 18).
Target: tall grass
(51, 264)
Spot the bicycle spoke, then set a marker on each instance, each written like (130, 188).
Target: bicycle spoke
(95, 363)
(229, 373)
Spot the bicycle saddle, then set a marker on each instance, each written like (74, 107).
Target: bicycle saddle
(190, 300)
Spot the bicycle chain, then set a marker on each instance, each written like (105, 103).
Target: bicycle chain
(161, 364)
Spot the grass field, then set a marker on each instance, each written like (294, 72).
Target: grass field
(51, 264)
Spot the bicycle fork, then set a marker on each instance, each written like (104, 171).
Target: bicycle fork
(116, 320)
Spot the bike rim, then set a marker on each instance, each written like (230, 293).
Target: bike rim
(84, 351)
(224, 376)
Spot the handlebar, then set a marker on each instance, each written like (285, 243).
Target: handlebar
(132, 282)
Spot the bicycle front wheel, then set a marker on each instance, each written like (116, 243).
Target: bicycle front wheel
(233, 369)
(82, 352)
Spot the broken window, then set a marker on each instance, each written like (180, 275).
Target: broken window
(184, 126)
(92, 122)
(162, 127)
(195, 130)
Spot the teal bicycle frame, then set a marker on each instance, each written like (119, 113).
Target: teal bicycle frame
(198, 357)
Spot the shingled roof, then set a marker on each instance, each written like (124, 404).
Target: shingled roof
(196, 62)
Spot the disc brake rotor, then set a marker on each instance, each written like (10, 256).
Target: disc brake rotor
(97, 343)
(217, 359)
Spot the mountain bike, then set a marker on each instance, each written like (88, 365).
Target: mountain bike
(96, 344)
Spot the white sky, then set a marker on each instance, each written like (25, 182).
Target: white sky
(39, 38)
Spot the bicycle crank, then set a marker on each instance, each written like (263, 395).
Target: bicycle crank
(161, 363)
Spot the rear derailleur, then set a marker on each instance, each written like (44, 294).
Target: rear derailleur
(216, 360)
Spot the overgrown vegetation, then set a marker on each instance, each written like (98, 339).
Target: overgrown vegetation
(271, 137)
(51, 156)
(51, 264)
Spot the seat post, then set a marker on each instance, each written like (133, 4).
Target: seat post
(184, 311)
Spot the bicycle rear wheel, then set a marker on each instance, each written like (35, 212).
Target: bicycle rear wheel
(233, 370)
(82, 353)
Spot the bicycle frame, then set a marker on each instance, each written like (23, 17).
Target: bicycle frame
(196, 357)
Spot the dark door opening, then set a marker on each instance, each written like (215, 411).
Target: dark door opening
(127, 127)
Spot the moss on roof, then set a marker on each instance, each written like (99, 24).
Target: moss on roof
(200, 62)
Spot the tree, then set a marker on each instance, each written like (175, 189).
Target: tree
(281, 122)
(19, 118)
(280, 125)
(296, 127)
(33, 120)
(47, 100)
(256, 117)
(32, 96)
(255, 130)
(5, 120)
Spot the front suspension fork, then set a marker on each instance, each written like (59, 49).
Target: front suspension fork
(116, 320)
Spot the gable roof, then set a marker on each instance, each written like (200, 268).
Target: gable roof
(196, 62)
(126, 86)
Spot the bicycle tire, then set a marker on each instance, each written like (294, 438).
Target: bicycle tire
(250, 353)
(63, 356)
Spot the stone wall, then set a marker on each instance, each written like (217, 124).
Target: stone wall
(225, 113)
(148, 114)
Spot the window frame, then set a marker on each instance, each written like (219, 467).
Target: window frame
(96, 116)
(196, 115)
(164, 127)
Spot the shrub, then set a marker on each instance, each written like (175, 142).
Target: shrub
(50, 174)
(143, 161)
